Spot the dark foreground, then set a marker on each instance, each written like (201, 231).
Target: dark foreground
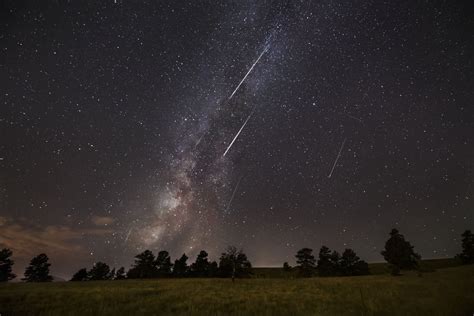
(447, 291)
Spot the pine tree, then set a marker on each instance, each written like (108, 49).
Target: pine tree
(335, 259)
(6, 265)
(306, 262)
(467, 254)
(399, 253)
(350, 264)
(163, 263)
(234, 263)
(325, 262)
(81, 275)
(201, 267)
(120, 275)
(38, 270)
(111, 275)
(180, 268)
(144, 266)
(213, 269)
(100, 271)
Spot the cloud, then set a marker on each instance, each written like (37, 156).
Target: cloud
(102, 220)
(27, 240)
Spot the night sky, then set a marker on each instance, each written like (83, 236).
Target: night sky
(351, 119)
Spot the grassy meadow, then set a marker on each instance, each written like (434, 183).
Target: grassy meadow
(447, 291)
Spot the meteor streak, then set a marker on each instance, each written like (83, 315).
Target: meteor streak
(238, 133)
(337, 158)
(233, 194)
(199, 141)
(250, 70)
(353, 117)
(128, 234)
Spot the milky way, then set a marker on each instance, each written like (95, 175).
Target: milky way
(190, 210)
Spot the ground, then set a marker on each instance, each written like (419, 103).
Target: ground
(447, 291)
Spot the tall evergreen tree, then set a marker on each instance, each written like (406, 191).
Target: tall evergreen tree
(350, 264)
(201, 267)
(111, 275)
(144, 266)
(81, 275)
(213, 269)
(327, 262)
(120, 275)
(399, 253)
(163, 263)
(234, 263)
(6, 264)
(306, 262)
(467, 254)
(38, 270)
(180, 268)
(100, 271)
(335, 259)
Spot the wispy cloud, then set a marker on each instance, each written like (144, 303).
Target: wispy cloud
(27, 240)
(102, 220)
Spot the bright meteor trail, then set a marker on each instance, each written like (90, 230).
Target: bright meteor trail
(337, 158)
(250, 70)
(238, 133)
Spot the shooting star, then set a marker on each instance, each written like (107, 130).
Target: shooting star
(233, 194)
(337, 158)
(238, 133)
(199, 141)
(353, 117)
(128, 234)
(250, 70)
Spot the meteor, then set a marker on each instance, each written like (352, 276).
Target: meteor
(233, 194)
(238, 133)
(128, 234)
(250, 70)
(353, 117)
(199, 141)
(337, 158)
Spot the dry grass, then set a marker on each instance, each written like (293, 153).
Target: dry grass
(444, 292)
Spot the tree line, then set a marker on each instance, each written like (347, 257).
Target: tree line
(233, 263)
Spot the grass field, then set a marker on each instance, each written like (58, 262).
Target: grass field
(448, 291)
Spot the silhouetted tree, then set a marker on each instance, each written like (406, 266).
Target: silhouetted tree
(467, 254)
(201, 267)
(144, 267)
(81, 275)
(328, 263)
(287, 267)
(306, 262)
(234, 263)
(38, 270)
(6, 265)
(163, 263)
(213, 269)
(100, 271)
(111, 275)
(335, 259)
(399, 253)
(350, 264)
(120, 275)
(180, 268)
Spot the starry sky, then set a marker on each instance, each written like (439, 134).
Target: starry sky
(269, 125)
